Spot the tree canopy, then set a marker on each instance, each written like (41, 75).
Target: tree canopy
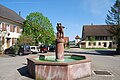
(39, 27)
(24, 39)
(113, 18)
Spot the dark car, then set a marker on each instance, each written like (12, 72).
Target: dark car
(24, 49)
(9, 50)
(44, 48)
(52, 48)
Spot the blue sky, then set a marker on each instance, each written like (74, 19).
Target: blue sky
(73, 14)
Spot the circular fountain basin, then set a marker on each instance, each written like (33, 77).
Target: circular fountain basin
(45, 67)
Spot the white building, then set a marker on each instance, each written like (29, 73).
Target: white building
(77, 40)
(102, 37)
(10, 27)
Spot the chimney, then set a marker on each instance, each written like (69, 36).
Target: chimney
(91, 24)
(19, 13)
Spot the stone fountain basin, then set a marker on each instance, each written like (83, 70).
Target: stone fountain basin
(59, 70)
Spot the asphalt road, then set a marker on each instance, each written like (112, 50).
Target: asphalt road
(15, 68)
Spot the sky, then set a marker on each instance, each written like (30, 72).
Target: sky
(73, 14)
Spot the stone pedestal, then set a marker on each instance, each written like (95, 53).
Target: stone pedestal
(59, 49)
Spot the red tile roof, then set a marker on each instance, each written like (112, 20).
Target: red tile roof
(66, 39)
(77, 37)
(7, 13)
(96, 30)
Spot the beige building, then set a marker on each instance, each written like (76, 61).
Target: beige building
(77, 40)
(10, 27)
(97, 36)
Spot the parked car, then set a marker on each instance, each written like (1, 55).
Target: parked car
(13, 50)
(34, 49)
(24, 49)
(9, 50)
(52, 48)
(44, 48)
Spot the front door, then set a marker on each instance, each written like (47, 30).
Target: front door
(8, 43)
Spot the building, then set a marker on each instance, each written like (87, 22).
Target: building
(97, 36)
(77, 40)
(10, 27)
(66, 41)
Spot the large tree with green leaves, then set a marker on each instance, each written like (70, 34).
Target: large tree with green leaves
(39, 27)
(113, 18)
(25, 39)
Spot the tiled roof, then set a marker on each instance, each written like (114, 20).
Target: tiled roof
(10, 14)
(96, 30)
(77, 37)
(66, 39)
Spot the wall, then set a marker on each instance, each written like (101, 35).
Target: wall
(10, 32)
(104, 44)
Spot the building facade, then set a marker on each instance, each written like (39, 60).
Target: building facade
(11, 25)
(97, 36)
(66, 41)
(77, 40)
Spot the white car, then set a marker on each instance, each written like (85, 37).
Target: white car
(34, 49)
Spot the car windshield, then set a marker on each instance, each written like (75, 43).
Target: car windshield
(27, 47)
(43, 46)
(32, 47)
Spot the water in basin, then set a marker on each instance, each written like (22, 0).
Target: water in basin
(66, 58)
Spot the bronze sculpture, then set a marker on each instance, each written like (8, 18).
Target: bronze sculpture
(60, 31)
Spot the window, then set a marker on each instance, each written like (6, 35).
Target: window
(105, 37)
(12, 28)
(101, 38)
(3, 27)
(111, 38)
(88, 37)
(105, 44)
(89, 43)
(94, 43)
(99, 43)
(97, 37)
(18, 29)
(12, 40)
(114, 43)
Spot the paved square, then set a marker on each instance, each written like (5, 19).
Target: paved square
(15, 68)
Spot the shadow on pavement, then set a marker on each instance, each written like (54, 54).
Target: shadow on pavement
(104, 52)
(24, 72)
(97, 52)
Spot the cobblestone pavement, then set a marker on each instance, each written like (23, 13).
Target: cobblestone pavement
(102, 60)
(14, 68)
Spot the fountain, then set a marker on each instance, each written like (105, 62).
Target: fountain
(59, 66)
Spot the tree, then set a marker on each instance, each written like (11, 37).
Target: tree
(25, 39)
(113, 18)
(39, 27)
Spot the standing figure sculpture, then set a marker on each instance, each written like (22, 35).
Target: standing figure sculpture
(60, 43)
(60, 31)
